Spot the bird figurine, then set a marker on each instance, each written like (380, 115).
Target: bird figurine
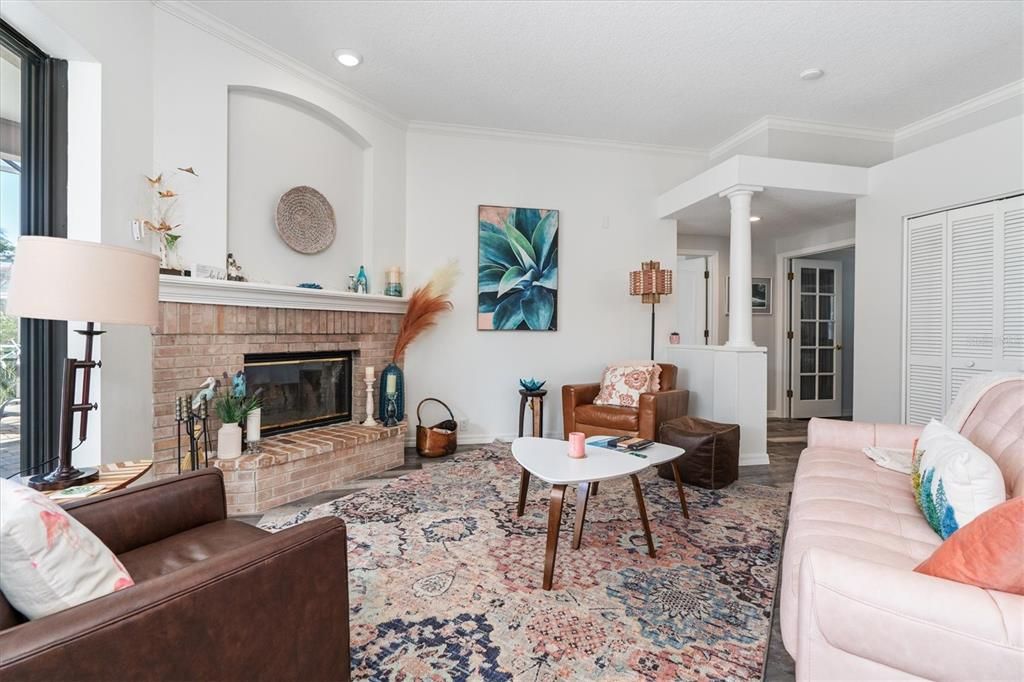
(167, 194)
(206, 391)
(155, 181)
(190, 170)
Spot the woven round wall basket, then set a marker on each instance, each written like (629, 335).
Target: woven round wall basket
(305, 220)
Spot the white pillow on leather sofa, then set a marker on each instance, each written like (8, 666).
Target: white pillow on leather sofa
(48, 560)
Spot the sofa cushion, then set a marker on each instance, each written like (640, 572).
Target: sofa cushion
(49, 561)
(180, 550)
(611, 416)
(844, 502)
(996, 425)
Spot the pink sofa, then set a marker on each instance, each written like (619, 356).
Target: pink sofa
(852, 608)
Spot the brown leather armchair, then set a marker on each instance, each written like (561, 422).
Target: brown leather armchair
(580, 414)
(214, 599)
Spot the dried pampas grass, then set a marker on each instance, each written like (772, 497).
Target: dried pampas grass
(425, 304)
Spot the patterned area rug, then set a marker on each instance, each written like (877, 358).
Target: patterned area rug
(445, 581)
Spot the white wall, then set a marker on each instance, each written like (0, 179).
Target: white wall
(274, 145)
(982, 164)
(110, 48)
(193, 70)
(607, 226)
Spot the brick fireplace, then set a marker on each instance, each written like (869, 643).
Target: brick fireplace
(196, 340)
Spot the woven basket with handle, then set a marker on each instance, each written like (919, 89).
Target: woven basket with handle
(440, 439)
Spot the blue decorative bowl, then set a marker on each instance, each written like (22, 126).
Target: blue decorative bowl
(532, 384)
(310, 285)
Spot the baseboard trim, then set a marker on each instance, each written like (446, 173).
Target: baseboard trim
(749, 459)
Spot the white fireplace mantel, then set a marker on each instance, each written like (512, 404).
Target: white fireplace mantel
(175, 289)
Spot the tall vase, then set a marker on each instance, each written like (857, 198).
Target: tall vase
(392, 370)
(229, 441)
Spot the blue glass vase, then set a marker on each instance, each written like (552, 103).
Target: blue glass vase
(384, 402)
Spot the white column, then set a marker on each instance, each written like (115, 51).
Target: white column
(740, 315)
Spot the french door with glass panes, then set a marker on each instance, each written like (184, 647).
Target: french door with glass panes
(816, 383)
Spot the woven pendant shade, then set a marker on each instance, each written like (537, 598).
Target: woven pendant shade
(650, 282)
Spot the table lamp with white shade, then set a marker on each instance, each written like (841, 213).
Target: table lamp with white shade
(64, 279)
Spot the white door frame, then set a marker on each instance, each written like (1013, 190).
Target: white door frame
(712, 257)
(782, 360)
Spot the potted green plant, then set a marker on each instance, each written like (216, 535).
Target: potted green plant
(231, 410)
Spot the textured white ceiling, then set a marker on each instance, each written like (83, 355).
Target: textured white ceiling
(783, 212)
(676, 73)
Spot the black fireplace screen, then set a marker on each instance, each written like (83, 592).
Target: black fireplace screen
(301, 389)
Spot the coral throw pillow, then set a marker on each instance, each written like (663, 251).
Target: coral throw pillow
(953, 480)
(48, 560)
(988, 552)
(622, 385)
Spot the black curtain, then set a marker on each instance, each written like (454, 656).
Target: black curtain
(44, 164)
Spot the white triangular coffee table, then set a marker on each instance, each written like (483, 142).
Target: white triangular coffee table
(548, 459)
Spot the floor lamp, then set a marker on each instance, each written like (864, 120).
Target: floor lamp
(64, 279)
(650, 282)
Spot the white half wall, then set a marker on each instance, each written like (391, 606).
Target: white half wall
(980, 165)
(607, 227)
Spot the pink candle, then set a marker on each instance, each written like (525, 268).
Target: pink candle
(577, 444)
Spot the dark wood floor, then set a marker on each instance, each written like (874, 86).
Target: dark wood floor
(786, 439)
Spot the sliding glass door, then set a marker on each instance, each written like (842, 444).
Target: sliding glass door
(33, 200)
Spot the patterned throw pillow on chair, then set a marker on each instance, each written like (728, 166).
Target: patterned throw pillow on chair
(622, 385)
(953, 480)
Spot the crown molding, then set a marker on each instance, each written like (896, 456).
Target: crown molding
(795, 125)
(459, 130)
(971, 106)
(201, 19)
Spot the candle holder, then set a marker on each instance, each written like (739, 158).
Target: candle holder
(392, 410)
(369, 403)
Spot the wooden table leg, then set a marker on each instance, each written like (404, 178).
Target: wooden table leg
(582, 493)
(643, 514)
(524, 486)
(522, 413)
(593, 488)
(537, 407)
(679, 485)
(554, 521)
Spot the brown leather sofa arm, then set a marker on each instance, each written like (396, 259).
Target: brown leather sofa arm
(276, 609)
(141, 515)
(574, 395)
(657, 408)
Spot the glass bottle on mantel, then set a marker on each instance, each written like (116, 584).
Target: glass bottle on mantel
(362, 284)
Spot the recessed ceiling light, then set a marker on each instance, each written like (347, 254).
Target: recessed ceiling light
(754, 218)
(811, 74)
(347, 57)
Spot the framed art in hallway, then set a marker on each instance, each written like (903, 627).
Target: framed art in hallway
(760, 295)
(517, 277)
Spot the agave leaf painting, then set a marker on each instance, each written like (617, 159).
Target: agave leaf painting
(517, 283)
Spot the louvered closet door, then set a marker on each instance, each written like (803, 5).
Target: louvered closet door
(925, 318)
(974, 292)
(1012, 337)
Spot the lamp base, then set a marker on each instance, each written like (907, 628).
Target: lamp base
(59, 478)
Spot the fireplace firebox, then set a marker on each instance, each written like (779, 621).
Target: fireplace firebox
(301, 390)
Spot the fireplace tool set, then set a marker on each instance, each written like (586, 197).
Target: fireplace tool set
(195, 419)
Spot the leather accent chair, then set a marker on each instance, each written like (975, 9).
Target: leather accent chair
(214, 598)
(580, 414)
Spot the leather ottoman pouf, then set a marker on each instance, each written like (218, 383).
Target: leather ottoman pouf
(712, 456)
